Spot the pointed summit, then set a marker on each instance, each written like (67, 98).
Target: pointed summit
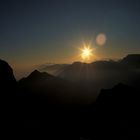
(36, 76)
(35, 73)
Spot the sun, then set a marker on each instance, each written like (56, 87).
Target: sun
(86, 53)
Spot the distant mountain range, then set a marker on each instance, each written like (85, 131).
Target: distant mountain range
(53, 69)
(101, 74)
(131, 60)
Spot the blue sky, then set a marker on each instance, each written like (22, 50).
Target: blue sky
(39, 31)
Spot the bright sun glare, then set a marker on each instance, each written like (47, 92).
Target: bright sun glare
(86, 53)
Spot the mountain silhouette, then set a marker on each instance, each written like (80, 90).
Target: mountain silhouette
(56, 104)
(55, 88)
(6, 74)
(53, 103)
(8, 88)
(131, 60)
(7, 82)
(117, 111)
(101, 74)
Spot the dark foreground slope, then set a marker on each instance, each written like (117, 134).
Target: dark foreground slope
(43, 102)
(117, 111)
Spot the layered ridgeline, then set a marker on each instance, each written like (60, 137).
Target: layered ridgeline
(100, 74)
(54, 104)
(77, 81)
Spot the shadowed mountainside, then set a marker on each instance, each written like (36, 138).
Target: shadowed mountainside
(6, 74)
(131, 60)
(54, 88)
(117, 111)
(43, 101)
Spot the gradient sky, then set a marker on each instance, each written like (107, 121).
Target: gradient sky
(34, 32)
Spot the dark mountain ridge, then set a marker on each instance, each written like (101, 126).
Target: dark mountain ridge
(54, 88)
(131, 60)
(6, 74)
(32, 102)
(117, 110)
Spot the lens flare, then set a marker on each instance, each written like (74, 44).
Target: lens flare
(101, 39)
